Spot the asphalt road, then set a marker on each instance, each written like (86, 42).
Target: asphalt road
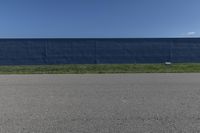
(105, 103)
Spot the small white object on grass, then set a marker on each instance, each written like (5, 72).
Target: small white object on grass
(168, 63)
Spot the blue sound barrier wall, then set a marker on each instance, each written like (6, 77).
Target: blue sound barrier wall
(99, 51)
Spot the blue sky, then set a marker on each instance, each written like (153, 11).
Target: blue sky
(99, 18)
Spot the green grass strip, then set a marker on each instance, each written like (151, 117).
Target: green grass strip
(103, 68)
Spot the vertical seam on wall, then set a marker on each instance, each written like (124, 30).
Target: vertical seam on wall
(95, 51)
(45, 51)
(171, 46)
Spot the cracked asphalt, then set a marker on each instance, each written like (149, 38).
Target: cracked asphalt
(100, 103)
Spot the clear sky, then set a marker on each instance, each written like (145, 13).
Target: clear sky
(99, 18)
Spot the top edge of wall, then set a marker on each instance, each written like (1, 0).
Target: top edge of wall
(101, 38)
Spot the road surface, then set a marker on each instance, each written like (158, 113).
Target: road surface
(104, 103)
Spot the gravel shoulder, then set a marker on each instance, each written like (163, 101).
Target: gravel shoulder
(100, 103)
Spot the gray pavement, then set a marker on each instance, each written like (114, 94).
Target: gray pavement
(105, 103)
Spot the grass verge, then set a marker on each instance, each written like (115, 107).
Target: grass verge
(103, 68)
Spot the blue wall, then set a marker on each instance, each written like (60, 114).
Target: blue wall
(99, 51)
